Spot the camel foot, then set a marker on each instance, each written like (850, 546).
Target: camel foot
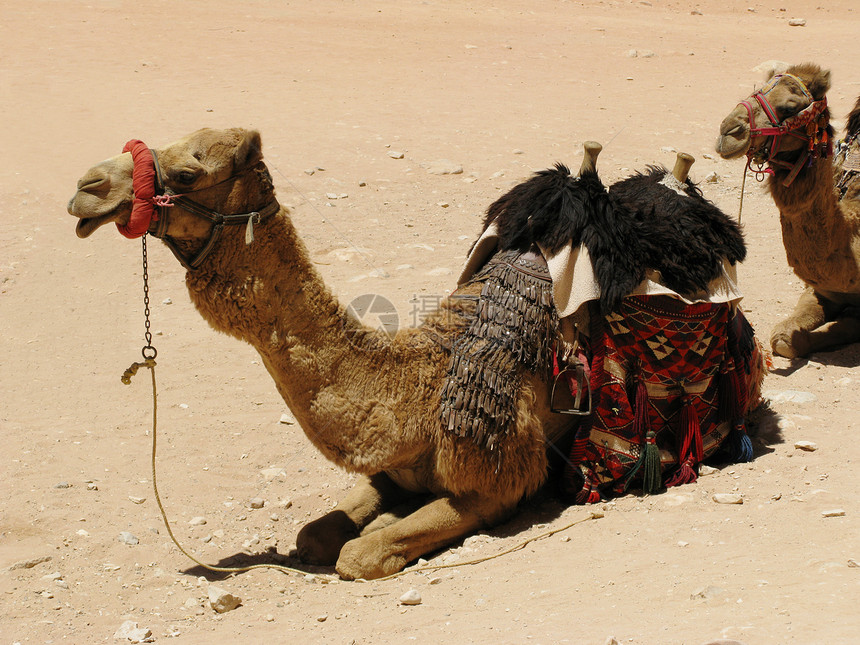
(794, 344)
(365, 558)
(320, 542)
(781, 347)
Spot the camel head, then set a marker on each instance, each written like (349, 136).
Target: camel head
(204, 172)
(787, 102)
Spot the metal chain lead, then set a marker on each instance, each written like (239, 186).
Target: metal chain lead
(148, 351)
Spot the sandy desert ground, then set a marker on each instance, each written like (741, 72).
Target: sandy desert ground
(500, 88)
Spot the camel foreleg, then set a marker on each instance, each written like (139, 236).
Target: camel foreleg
(320, 541)
(816, 324)
(842, 331)
(433, 526)
(791, 338)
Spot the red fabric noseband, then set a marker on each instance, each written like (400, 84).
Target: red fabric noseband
(143, 184)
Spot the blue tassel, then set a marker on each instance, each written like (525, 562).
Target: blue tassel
(740, 445)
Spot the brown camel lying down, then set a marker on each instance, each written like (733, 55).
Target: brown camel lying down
(368, 401)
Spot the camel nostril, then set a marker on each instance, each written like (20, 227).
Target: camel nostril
(92, 184)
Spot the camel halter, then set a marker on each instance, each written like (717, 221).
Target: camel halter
(809, 125)
(152, 200)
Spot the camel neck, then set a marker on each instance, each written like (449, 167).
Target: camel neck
(327, 367)
(820, 239)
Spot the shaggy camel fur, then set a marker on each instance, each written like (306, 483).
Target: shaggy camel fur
(819, 230)
(369, 402)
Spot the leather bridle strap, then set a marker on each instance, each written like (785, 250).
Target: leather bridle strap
(803, 126)
(164, 201)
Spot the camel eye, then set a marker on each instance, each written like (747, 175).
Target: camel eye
(789, 109)
(186, 177)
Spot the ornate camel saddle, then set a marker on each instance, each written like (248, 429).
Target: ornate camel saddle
(661, 380)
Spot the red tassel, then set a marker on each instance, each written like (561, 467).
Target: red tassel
(690, 433)
(588, 497)
(686, 474)
(641, 420)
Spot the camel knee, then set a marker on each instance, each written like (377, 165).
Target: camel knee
(320, 542)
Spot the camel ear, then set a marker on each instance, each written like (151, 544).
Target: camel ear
(249, 151)
(819, 85)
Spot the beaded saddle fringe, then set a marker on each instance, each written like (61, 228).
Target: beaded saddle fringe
(514, 328)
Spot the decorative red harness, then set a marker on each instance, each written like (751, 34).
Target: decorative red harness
(150, 194)
(806, 125)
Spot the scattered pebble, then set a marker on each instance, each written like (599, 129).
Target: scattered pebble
(789, 396)
(411, 597)
(272, 473)
(836, 512)
(197, 521)
(221, 600)
(808, 446)
(322, 618)
(287, 418)
(257, 502)
(440, 271)
(712, 177)
(853, 563)
(728, 498)
(29, 564)
(131, 632)
(771, 65)
(62, 485)
(797, 22)
(136, 500)
(444, 167)
(128, 538)
(704, 470)
(92, 486)
(167, 301)
(395, 155)
(707, 592)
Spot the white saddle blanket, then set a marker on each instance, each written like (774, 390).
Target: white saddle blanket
(574, 282)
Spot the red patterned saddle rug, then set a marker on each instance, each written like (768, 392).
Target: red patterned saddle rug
(671, 383)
